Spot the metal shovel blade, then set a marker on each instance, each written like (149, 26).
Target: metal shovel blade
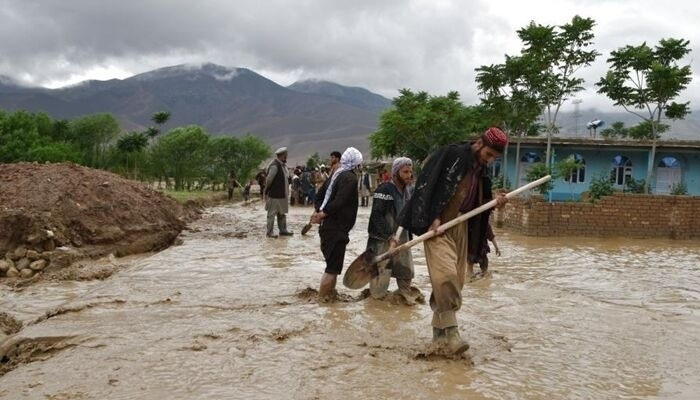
(306, 229)
(360, 271)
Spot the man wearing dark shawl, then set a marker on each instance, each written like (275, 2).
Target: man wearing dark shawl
(450, 184)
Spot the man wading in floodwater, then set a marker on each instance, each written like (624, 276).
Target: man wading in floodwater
(389, 199)
(449, 185)
(277, 194)
(336, 211)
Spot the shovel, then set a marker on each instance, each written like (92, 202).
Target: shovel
(306, 228)
(359, 272)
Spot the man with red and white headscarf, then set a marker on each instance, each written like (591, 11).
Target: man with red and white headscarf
(451, 183)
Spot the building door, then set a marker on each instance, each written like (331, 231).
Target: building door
(668, 175)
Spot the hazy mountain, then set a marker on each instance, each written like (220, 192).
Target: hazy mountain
(306, 117)
(354, 96)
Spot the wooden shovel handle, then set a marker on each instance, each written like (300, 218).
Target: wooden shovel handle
(449, 224)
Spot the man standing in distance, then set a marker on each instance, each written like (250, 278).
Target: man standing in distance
(449, 185)
(336, 211)
(335, 162)
(277, 194)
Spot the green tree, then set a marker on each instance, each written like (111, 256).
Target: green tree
(419, 123)
(644, 131)
(314, 161)
(253, 151)
(19, 133)
(160, 118)
(537, 171)
(566, 168)
(131, 145)
(181, 154)
(558, 53)
(92, 134)
(510, 100)
(645, 81)
(617, 130)
(55, 152)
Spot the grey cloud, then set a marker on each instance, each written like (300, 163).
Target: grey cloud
(381, 45)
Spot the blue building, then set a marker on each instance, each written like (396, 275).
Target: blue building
(675, 162)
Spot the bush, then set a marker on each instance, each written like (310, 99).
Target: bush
(537, 171)
(500, 182)
(679, 189)
(600, 186)
(634, 185)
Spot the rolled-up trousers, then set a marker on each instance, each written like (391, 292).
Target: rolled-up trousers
(446, 256)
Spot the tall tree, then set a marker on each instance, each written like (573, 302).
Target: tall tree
(160, 118)
(510, 100)
(130, 145)
(419, 123)
(92, 133)
(181, 154)
(559, 53)
(645, 81)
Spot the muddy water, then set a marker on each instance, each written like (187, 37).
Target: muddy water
(220, 317)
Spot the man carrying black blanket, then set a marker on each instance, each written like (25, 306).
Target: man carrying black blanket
(451, 184)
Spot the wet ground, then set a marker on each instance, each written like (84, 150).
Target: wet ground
(224, 316)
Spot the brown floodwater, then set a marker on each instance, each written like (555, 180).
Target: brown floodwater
(220, 317)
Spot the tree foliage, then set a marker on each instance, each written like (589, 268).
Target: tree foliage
(537, 171)
(645, 81)
(420, 123)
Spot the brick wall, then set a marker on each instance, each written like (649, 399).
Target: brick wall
(629, 215)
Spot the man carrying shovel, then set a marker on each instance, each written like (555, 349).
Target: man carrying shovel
(449, 185)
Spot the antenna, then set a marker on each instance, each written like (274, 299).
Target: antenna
(577, 114)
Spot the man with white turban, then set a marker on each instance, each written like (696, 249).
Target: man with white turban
(389, 199)
(336, 211)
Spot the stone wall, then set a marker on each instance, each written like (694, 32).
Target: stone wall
(628, 215)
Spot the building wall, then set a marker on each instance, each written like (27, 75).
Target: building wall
(599, 162)
(628, 215)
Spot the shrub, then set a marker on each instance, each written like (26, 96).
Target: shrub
(679, 189)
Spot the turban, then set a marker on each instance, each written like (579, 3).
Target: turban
(495, 138)
(350, 159)
(281, 150)
(400, 163)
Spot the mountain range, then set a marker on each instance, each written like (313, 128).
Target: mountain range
(307, 116)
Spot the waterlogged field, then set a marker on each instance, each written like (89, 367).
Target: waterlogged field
(228, 315)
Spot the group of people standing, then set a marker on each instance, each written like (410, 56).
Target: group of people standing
(451, 182)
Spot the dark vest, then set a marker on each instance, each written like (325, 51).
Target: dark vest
(276, 188)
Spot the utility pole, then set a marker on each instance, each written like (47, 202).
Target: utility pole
(577, 114)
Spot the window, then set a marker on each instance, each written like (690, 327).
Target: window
(530, 157)
(621, 170)
(495, 168)
(578, 176)
(669, 162)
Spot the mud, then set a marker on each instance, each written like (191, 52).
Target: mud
(64, 212)
(222, 316)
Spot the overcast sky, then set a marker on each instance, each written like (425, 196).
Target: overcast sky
(383, 45)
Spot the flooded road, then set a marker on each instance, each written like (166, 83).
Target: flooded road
(220, 317)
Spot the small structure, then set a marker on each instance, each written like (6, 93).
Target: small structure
(676, 162)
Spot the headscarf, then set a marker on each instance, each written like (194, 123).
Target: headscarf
(400, 163)
(495, 138)
(350, 159)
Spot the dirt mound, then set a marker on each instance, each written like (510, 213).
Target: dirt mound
(59, 213)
